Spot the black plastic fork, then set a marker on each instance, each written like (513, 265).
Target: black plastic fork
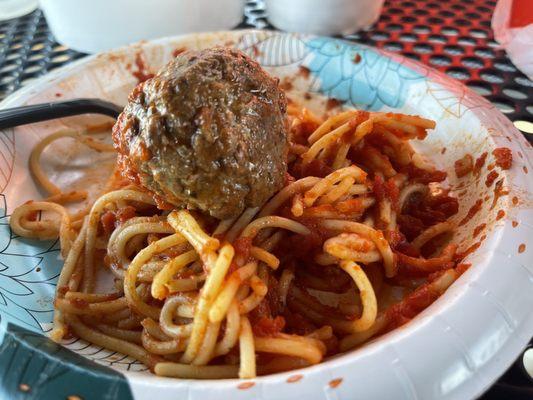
(11, 117)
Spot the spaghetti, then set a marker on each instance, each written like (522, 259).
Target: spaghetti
(315, 271)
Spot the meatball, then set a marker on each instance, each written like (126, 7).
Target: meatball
(208, 132)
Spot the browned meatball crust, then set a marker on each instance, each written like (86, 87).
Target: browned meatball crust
(208, 131)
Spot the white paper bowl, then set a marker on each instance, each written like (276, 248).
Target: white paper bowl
(323, 17)
(454, 349)
(99, 25)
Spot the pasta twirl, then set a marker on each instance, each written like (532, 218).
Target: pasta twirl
(281, 286)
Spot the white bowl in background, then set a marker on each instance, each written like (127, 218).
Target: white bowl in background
(98, 25)
(323, 17)
(16, 8)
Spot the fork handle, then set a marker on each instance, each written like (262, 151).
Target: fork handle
(11, 117)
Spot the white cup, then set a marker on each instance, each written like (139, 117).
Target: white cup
(98, 25)
(323, 17)
(16, 8)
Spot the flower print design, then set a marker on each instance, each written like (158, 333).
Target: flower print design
(28, 274)
(356, 74)
(7, 157)
(274, 49)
